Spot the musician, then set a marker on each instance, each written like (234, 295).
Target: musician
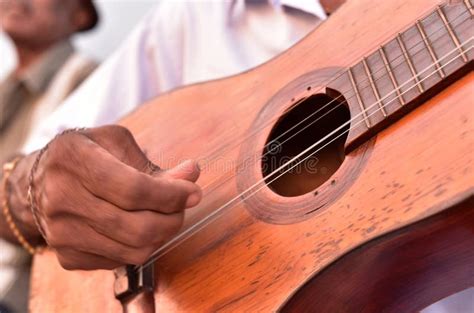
(89, 185)
(47, 70)
(95, 197)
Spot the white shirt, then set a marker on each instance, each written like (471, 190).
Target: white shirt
(180, 43)
(184, 42)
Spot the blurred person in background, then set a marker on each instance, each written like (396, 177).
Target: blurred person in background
(47, 71)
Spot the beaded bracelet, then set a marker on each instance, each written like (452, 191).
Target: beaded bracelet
(7, 170)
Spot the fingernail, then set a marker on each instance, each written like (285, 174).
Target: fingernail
(186, 162)
(193, 199)
(185, 166)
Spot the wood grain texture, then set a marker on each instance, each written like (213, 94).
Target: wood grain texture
(388, 273)
(419, 167)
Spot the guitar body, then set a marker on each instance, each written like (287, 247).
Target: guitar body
(392, 230)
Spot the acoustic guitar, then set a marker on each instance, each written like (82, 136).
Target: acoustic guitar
(338, 177)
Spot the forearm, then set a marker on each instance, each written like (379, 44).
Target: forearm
(17, 201)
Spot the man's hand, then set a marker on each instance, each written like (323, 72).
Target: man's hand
(103, 204)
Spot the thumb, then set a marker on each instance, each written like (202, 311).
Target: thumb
(187, 170)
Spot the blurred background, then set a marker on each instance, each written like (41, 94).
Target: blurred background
(118, 17)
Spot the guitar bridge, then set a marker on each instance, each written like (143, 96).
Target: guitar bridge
(130, 281)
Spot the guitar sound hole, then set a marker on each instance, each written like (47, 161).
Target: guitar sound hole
(298, 129)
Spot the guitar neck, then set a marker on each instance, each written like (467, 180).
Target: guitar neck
(407, 70)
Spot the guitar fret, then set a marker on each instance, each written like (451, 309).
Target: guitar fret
(469, 7)
(453, 36)
(374, 87)
(430, 49)
(359, 99)
(410, 63)
(390, 74)
(411, 57)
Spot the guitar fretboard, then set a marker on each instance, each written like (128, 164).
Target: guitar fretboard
(408, 69)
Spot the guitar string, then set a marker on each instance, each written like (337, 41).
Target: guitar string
(346, 131)
(359, 87)
(207, 188)
(257, 131)
(209, 218)
(335, 77)
(170, 245)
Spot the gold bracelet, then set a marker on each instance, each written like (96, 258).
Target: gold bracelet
(7, 170)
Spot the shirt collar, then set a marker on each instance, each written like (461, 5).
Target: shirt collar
(37, 78)
(313, 7)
